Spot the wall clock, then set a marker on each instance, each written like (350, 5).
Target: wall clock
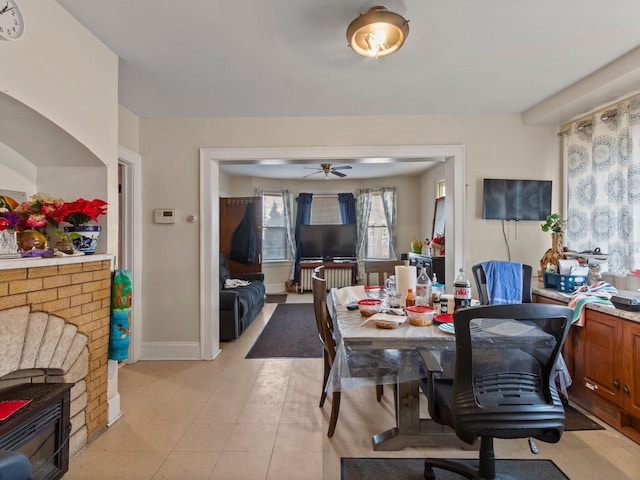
(11, 20)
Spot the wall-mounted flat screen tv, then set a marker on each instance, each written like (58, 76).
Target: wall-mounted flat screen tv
(504, 199)
(328, 241)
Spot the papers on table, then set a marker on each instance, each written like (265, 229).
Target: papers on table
(346, 295)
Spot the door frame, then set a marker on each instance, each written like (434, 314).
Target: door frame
(211, 158)
(132, 240)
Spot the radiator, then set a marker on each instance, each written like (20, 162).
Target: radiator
(335, 277)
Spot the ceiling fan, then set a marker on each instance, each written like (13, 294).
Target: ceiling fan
(328, 168)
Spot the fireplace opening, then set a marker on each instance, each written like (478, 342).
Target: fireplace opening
(40, 429)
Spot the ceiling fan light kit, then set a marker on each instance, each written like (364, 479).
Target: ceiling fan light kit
(377, 33)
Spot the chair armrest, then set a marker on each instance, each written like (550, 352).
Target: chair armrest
(14, 465)
(250, 277)
(430, 361)
(228, 299)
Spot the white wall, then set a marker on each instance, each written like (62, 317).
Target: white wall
(63, 75)
(496, 146)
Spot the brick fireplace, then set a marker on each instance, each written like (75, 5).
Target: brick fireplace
(54, 327)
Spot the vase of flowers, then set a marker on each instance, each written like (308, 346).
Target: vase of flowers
(79, 214)
(36, 215)
(437, 245)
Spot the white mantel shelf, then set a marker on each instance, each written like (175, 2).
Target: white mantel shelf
(34, 262)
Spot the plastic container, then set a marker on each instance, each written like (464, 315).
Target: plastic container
(564, 283)
(369, 306)
(374, 291)
(420, 315)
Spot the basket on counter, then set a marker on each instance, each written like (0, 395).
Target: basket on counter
(564, 283)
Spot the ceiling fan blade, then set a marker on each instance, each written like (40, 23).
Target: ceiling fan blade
(312, 174)
(314, 168)
(343, 167)
(339, 174)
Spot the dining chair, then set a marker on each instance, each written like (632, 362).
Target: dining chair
(502, 384)
(326, 333)
(383, 269)
(480, 278)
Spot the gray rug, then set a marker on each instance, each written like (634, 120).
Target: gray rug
(277, 298)
(413, 469)
(290, 332)
(575, 420)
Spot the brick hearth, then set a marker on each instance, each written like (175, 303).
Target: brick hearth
(66, 318)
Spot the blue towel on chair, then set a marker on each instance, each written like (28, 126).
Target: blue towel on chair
(504, 281)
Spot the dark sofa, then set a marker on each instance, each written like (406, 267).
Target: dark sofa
(239, 306)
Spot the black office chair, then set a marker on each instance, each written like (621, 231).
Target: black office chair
(502, 385)
(481, 283)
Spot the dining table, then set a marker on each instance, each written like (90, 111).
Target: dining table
(367, 355)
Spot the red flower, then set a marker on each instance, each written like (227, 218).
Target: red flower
(81, 211)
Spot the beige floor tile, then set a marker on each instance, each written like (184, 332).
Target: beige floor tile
(298, 437)
(301, 466)
(251, 438)
(94, 464)
(241, 466)
(302, 413)
(124, 436)
(261, 413)
(187, 465)
(269, 393)
(205, 437)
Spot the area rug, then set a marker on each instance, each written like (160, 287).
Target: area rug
(277, 298)
(413, 469)
(575, 420)
(290, 332)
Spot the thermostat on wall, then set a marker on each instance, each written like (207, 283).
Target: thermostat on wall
(164, 216)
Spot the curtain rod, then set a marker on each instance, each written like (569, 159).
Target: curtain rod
(586, 120)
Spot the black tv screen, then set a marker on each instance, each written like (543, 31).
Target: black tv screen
(328, 241)
(504, 199)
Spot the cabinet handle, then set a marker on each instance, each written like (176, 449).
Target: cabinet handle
(626, 390)
(616, 384)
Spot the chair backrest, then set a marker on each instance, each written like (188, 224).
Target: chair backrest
(383, 269)
(505, 369)
(323, 318)
(481, 283)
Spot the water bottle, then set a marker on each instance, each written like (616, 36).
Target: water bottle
(423, 288)
(461, 291)
(437, 289)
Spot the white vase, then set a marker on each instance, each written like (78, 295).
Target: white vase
(8, 244)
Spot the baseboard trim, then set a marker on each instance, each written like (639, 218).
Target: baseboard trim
(170, 351)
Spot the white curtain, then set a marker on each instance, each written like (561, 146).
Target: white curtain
(603, 180)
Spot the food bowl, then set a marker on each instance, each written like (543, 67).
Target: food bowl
(369, 306)
(420, 315)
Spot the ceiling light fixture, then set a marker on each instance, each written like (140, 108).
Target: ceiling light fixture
(377, 33)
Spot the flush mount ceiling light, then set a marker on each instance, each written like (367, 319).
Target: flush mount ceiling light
(377, 33)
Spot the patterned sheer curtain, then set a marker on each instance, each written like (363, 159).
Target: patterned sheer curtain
(603, 180)
(391, 214)
(287, 202)
(363, 211)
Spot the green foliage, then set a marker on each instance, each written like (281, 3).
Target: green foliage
(555, 223)
(67, 236)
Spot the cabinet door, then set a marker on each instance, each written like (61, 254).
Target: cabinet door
(631, 377)
(603, 355)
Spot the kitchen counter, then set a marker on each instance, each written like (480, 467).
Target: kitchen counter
(553, 294)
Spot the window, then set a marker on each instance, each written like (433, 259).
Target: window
(325, 209)
(378, 244)
(274, 230)
(441, 188)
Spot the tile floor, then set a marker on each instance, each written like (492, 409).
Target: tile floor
(233, 419)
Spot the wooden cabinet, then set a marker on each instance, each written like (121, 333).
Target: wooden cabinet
(603, 358)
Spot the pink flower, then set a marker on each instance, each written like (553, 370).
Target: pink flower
(37, 221)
